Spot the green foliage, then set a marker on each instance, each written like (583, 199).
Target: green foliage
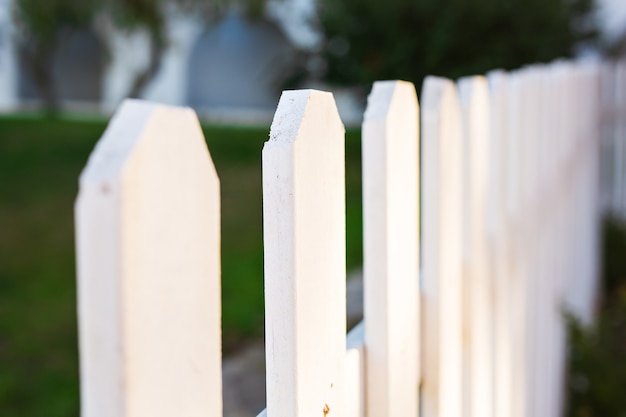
(40, 24)
(597, 367)
(41, 21)
(368, 40)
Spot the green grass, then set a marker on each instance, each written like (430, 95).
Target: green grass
(40, 160)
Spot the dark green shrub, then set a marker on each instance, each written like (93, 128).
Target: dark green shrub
(597, 365)
(367, 40)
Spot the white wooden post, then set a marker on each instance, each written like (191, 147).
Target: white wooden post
(391, 258)
(477, 282)
(534, 239)
(499, 231)
(441, 249)
(589, 155)
(535, 244)
(544, 212)
(516, 272)
(576, 245)
(607, 116)
(549, 207)
(304, 234)
(148, 260)
(564, 206)
(528, 248)
(619, 164)
(595, 138)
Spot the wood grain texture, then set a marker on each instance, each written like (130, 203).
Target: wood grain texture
(305, 271)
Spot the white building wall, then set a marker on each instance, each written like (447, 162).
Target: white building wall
(170, 84)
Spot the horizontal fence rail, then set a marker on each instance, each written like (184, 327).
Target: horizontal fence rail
(481, 221)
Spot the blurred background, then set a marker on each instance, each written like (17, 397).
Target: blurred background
(229, 59)
(65, 65)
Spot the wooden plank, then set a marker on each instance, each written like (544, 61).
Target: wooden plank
(543, 278)
(477, 279)
(499, 232)
(516, 268)
(557, 200)
(441, 222)
(305, 273)
(535, 244)
(391, 250)
(607, 116)
(550, 203)
(596, 212)
(588, 152)
(619, 164)
(147, 240)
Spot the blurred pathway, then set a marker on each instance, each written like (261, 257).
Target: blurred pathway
(243, 372)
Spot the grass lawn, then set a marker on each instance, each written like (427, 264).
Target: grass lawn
(40, 160)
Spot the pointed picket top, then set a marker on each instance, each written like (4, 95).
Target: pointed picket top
(523, 131)
(147, 239)
(391, 248)
(477, 280)
(442, 238)
(475, 111)
(304, 237)
(553, 191)
(551, 204)
(496, 219)
(500, 232)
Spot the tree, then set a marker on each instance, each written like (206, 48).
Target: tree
(368, 40)
(148, 14)
(41, 22)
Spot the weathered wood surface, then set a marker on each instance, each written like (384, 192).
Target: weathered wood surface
(305, 271)
(148, 262)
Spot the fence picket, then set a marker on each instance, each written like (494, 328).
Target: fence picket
(304, 235)
(391, 249)
(477, 279)
(515, 244)
(499, 221)
(617, 104)
(555, 198)
(147, 234)
(508, 192)
(442, 239)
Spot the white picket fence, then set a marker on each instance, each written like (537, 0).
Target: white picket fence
(614, 139)
(469, 263)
